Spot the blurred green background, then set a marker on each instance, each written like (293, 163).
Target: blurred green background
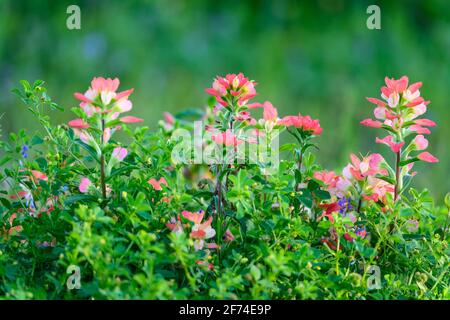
(316, 58)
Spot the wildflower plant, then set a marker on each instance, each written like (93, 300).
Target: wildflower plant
(100, 117)
(248, 225)
(398, 114)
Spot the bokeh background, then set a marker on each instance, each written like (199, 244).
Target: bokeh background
(313, 57)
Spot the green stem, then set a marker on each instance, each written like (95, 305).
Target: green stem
(397, 177)
(102, 164)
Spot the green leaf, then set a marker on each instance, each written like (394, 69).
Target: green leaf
(306, 198)
(36, 140)
(5, 160)
(5, 203)
(406, 212)
(322, 194)
(287, 147)
(89, 149)
(145, 215)
(255, 272)
(79, 197)
(120, 170)
(56, 106)
(405, 162)
(313, 185)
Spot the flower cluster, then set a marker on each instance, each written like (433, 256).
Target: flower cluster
(398, 114)
(303, 123)
(101, 107)
(232, 89)
(200, 230)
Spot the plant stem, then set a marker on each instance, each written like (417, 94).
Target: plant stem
(102, 164)
(397, 176)
(299, 165)
(359, 204)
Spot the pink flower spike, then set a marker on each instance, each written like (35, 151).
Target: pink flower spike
(395, 147)
(169, 118)
(119, 153)
(425, 122)
(427, 157)
(82, 97)
(226, 138)
(420, 142)
(254, 105)
(270, 112)
(371, 123)
(419, 129)
(415, 102)
(130, 119)
(414, 87)
(195, 217)
(84, 185)
(376, 102)
(157, 184)
(78, 124)
(124, 94)
(39, 175)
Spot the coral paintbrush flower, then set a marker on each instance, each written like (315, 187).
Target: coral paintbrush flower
(78, 124)
(270, 113)
(195, 217)
(200, 231)
(399, 111)
(336, 185)
(377, 189)
(175, 225)
(84, 185)
(427, 157)
(371, 123)
(119, 153)
(157, 184)
(388, 140)
(227, 138)
(368, 166)
(304, 123)
(231, 88)
(102, 96)
(420, 142)
(131, 119)
(39, 175)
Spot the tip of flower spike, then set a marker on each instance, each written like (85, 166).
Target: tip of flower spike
(78, 124)
(82, 97)
(39, 175)
(425, 122)
(131, 119)
(427, 157)
(371, 123)
(124, 94)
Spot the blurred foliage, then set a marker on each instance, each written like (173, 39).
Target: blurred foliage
(317, 58)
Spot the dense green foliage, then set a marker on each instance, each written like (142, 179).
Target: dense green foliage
(125, 250)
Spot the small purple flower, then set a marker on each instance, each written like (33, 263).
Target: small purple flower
(345, 205)
(24, 151)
